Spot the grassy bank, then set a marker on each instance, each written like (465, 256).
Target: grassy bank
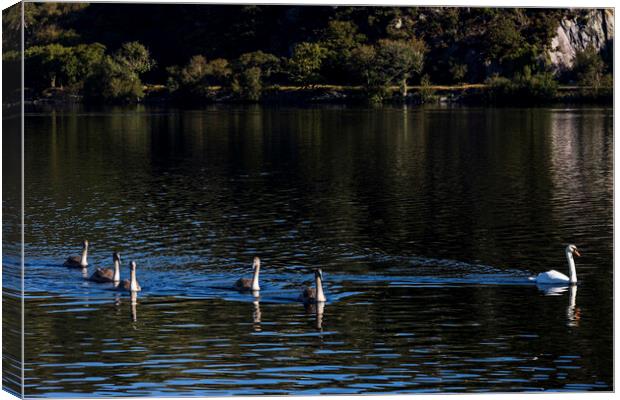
(481, 94)
(416, 94)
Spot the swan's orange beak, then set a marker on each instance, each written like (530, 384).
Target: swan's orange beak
(577, 253)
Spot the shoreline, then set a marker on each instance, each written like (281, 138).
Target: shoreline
(466, 94)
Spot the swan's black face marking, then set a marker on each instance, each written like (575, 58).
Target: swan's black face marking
(116, 257)
(318, 273)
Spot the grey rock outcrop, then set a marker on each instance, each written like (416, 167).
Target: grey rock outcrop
(594, 27)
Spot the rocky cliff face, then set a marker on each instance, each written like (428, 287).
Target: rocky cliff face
(595, 27)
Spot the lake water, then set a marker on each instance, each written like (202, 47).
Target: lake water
(427, 223)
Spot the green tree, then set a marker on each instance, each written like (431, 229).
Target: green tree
(81, 62)
(117, 77)
(114, 82)
(362, 62)
(45, 23)
(503, 38)
(194, 72)
(398, 60)
(588, 67)
(386, 63)
(268, 63)
(305, 63)
(339, 39)
(219, 71)
(251, 72)
(135, 57)
(248, 84)
(589, 70)
(46, 65)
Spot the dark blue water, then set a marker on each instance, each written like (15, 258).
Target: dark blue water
(427, 223)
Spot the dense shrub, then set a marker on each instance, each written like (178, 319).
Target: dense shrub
(117, 77)
(248, 84)
(113, 82)
(46, 66)
(523, 88)
(304, 65)
(426, 93)
(195, 80)
(252, 71)
(589, 71)
(55, 65)
(339, 39)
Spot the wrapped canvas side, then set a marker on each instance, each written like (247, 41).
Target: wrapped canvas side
(12, 201)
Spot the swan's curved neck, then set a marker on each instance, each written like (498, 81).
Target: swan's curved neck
(133, 281)
(117, 271)
(320, 296)
(572, 271)
(84, 258)
(255, 285)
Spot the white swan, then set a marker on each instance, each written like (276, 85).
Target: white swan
(554, 277)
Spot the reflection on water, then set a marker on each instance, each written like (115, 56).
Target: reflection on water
(256, 315)
(316, 309)
(573, 313)
(427, 223)
(134, 306)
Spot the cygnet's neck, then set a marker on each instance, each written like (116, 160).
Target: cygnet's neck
(84, 258)
(117, 271)
(320, 296)
(255, 285)
(133, 281)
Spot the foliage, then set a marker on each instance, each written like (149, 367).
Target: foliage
(397, 60)
(193, 73)
(362, 63)
(339, 39)
(426, 92)
(251, 72)
(588, 67)
(524, 87)
(116, 78)
(268, 63)
(113, 81)
(135, 57)
(218, 71)
(196, 78)
(589, 71)
(83, 61)
(49, 22)
(47, 66)
(458, 72)
(386, 63)
(305, 63)
(248, 84)
(245, 48)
